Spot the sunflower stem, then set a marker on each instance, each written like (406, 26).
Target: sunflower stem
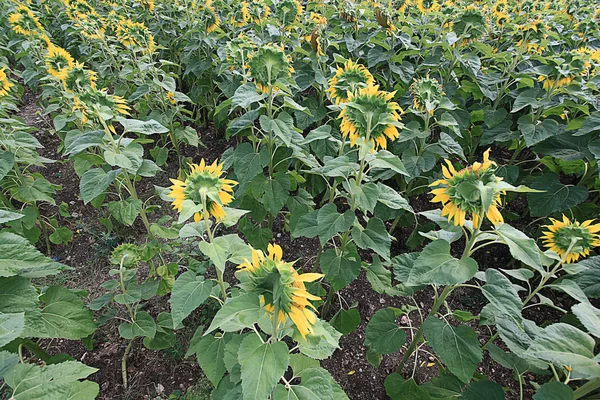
(275, 321)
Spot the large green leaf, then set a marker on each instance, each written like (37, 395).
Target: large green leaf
(7, 160)
(330, 222)
(18, 295)
(262, 364)
(210, 351)
(95, 182)
(221, 248)
(386, 160)
(340, 269)
(143, 326)
(272, 192)
(435, 265)
(315, 385)
(346, 321)
(149, 127)
(374, 237)
(562, 344)
(11, 326)
(322, 343)
(554, 391)
(399, 388)
(555, 196)
(589, 317)
(588, 278)
(245, 95)
(503, 297)
(51, 382)
(457, 346)
(189, 292)
(383, 334)
(237, 313)
(483, 390)
(522, 247)
(534, 133)
(19, 257)
(125, 211)
(64, 315)
(7, 216)
(7, 361)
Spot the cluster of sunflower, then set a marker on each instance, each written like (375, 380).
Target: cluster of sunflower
(77, 82)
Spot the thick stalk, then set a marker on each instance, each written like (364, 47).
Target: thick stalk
(275, 322)
(220, 279)
(124, 363)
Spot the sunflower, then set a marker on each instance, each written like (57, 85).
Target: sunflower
(92, 27)
(116, 103)
(147, 4)
(288, 12)
(204, 187)
(135, 35)
(81, 109)
(281, 287)
(460, 192)
(58, 62)
(79, 79)
(268, 65)
(24, 22)
(428, 6)
(259, 11)
(370, 116)
(5, 84)
(402, 5)
(427, 94)
(501, 18)
(170, 97)
(211, 18)
(571, 240)
(79, 9)
(349, 79)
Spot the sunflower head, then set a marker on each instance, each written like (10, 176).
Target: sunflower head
(288, 12)
(116, 104)
(472, 190)
(370, 118)
(79, 9)
(384, 17)
(259, 11)
(281, 287)
(268, 65)
(427, 94)
(5, 84)
(204, 189)
(24, 22)
(501, 18)
(428, 6)
(127, 254)
(58, 62)
(401, 5)
(135, 36)
(471, 21)
(79, 79)
(571, 240)
(92, 27)
(350, 79)
(210, 17)
(238, 50)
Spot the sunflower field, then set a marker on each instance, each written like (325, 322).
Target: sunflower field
(299, 199)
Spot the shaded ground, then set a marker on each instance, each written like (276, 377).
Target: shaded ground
(155, 374)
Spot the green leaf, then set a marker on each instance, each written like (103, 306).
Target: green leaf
(315, 385)
(221, 249)
(189, 292)
(7, 361)
(149, 127)
(589, 277)
(504, 299)
(399, 388)
(561, 344)
(379, 277)
(534, 133)
(19, 257)
(589, 316)
(125, 211)
(245, 95)
(321, 344)
(337, 167)
(554, 391)
(64, 315)
(7, 216)
(527, 98)
(346, 321)
(483, 390)
(237, 313)
(521, 247)
(262, 364)
(374, 237)
(330, 222)
(386, 160)
(301, 363)
(61, 235)
(392, 199)
(143, 326)
(11, 326)
(340, 269)
(51, 382)
(94, 183)
(435, 265)
(83, 142)
(457, 346)
(7, 160)
(271, 192)
(383, 335)
(556, 196)
(210, 351)
(365, 195)
(20, 296)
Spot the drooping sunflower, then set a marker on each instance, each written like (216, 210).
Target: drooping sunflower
(211, 19)
(288, 12)
(5, 84)
(571, 240)
(79, 79)
(268, 65)
(58, 62)
(81, 110)
(135, 36)
(349, 79)
(115, 103)
(370, 117)
(204, 186)
(427, 94)
(79, 9)
(281, 288)
(460, 195)
(428, 6)
(259, 11)
(92, 26)
(24, 22)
